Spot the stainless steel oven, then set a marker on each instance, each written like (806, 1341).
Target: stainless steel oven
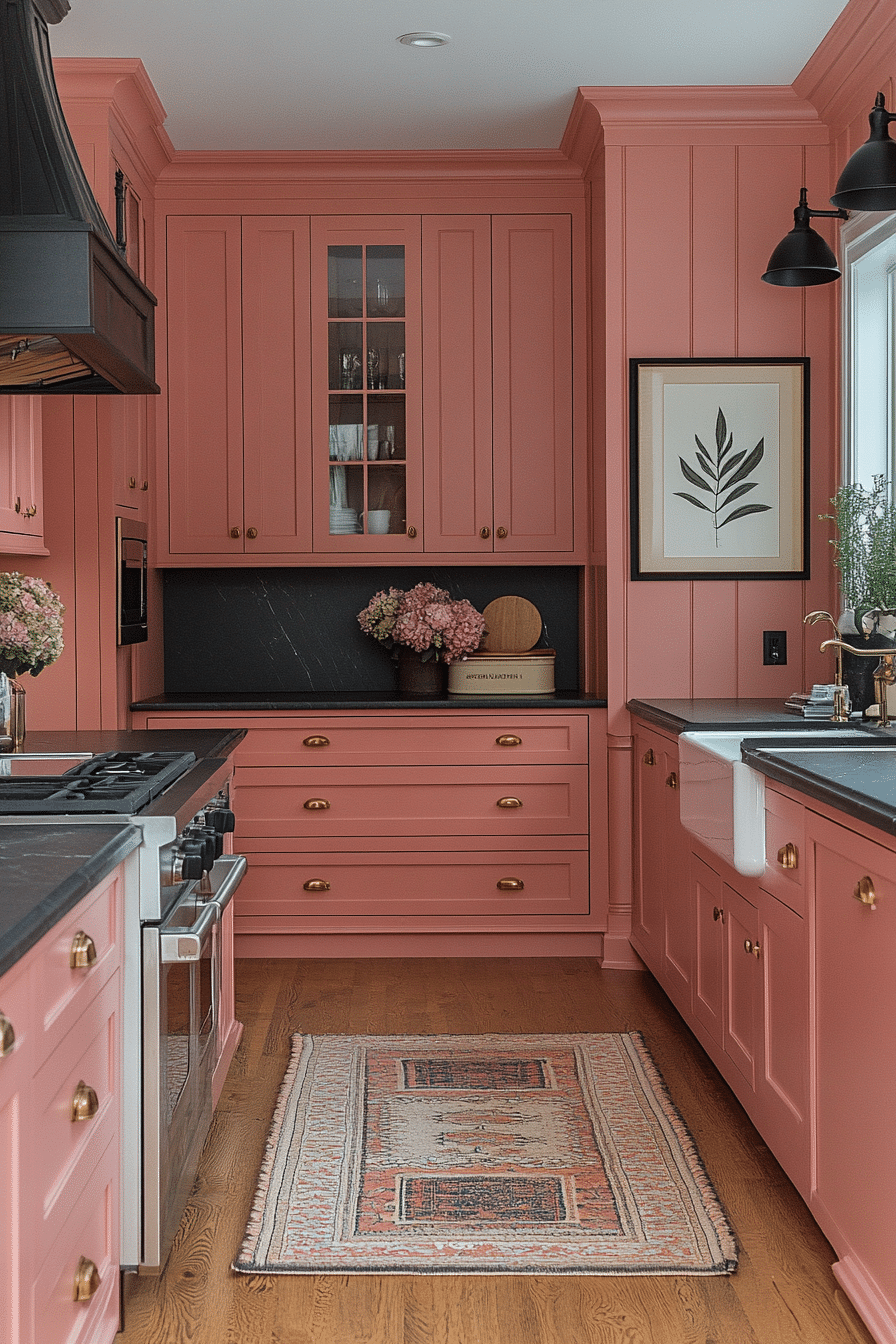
(182, 979)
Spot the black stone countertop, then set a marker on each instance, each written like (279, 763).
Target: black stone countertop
(683, 716)
(235, 702)
(45, 870)
(213, 743)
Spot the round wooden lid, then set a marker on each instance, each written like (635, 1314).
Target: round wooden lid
(513, 624)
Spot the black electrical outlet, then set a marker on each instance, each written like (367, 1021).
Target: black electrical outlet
(774, 648)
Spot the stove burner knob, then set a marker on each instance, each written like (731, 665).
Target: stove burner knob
(221, 819)
(188, 865)
(212, 839)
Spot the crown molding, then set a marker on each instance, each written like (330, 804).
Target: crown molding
(853, 61)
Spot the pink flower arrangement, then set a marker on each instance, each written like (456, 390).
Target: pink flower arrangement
(30, 624)
(426, 619)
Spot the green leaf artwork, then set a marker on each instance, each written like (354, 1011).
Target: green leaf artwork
(723, 478)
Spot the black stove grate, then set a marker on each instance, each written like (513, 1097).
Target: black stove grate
(112, 782)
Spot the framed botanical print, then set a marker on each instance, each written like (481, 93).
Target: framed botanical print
(719, 468)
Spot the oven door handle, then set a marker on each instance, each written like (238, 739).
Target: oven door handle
(186, 944)
(225, 877)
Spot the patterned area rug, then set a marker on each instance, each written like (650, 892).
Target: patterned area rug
(481, 1155)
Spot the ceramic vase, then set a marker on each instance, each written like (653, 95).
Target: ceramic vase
(418, 680)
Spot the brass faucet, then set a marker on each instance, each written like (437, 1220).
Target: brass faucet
(884, 674)
(840, 714)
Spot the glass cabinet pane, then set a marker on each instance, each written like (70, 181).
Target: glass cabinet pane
(345, 281)
(366, 370)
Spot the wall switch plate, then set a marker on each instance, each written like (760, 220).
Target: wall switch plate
(774, 648)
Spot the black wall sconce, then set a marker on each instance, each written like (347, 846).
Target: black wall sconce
(868, 182)
(803, 257)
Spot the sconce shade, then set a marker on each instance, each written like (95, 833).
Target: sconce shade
(803, 257)
(868, 182)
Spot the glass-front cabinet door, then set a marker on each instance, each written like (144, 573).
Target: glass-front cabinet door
(367, 396)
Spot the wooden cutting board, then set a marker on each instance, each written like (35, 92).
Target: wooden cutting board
(513, 624)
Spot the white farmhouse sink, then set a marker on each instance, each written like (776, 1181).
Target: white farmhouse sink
(722, 801)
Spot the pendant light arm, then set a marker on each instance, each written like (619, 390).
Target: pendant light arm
(879, 119)
(803, 212)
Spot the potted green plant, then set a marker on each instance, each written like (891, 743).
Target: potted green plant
(865, 555)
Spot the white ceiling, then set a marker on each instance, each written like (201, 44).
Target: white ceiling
(330, 74)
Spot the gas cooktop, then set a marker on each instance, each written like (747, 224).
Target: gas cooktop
(114, 781)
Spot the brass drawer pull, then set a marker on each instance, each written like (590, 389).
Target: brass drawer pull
(316, 884)
(315, 804)
(672, 781)
(315, 742)
(87, 1280)
(510, 803)
(29, 513)
(132, 482)
(648, 758)
(754, 948)
(7, 1036)
(511, 884)
(864, 892)
(718, 914)
(83, 951)
(509, 740)
(85, 1102)
(789, 856)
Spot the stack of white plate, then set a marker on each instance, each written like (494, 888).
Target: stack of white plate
(343, 521)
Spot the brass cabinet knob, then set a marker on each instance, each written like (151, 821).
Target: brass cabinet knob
(30, 512)
(509, 740)
(511, 884)
(87, 1280)
(236, 533)
(83, 951)
(18, 504)
(510, 803)
(485, 533)
(718, 914)
(753, 948)
(132, 482)
(501, 532)
(864, 892)
(316, 884)
(789, 856)
(412, 532)
(315, 804)
(672, 781)
(648, 758)
(145, 485)
(7, 1036)
(315, 741)
(85, 1102)
(251, 533)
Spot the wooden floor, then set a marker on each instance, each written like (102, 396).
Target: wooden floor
(782, 1293)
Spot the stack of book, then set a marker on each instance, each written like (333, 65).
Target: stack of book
(818, 704)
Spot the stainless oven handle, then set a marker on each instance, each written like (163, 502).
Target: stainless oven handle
(225, 877)
(186, 944)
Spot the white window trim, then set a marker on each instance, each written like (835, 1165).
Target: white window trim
(869, 354)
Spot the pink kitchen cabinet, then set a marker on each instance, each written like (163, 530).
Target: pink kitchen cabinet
(239, 419)
(60, 1176)
(499, 417)
(854, 1026)
(418, 833)
(21, 477)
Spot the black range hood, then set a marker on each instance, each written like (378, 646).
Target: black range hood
(73, 315)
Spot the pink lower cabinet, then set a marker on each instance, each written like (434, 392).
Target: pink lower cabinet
(407, 832)
(854, 1185)
(59, 1129)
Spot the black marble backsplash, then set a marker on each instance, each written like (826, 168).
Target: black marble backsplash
(296, 630)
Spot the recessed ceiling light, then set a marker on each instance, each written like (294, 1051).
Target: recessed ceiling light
(425, 39)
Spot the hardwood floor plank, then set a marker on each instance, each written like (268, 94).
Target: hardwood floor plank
(783, 1292)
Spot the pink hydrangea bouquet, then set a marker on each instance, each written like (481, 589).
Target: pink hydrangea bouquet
(426, 619)
(30, 625)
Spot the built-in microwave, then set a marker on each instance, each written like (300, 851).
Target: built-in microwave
(130, 549)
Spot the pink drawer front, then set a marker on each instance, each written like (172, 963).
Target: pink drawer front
(785, 855)
(65, 1149)
(419, 739)
(65, 990)
(90, 1231)
(534, 882)
(384, 801)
